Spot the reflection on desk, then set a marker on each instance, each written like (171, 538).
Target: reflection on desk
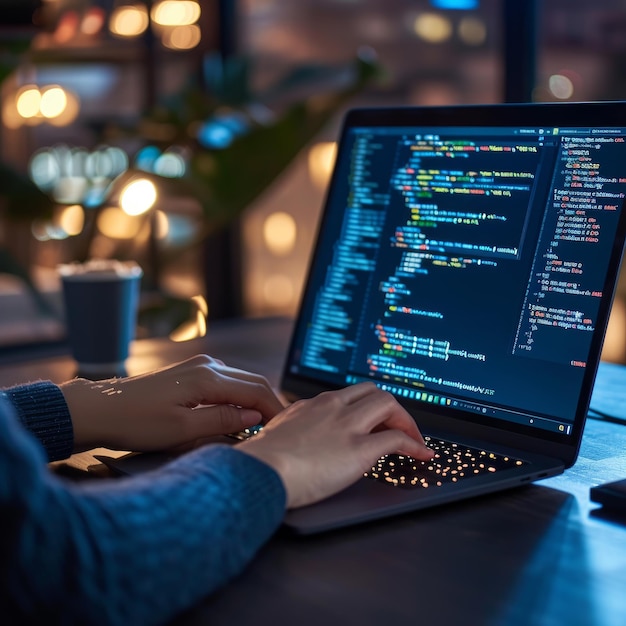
(537, 555)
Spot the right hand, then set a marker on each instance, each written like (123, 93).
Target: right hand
(322, 445)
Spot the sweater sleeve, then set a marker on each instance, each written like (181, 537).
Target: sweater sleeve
(42, 409)
(130, 550)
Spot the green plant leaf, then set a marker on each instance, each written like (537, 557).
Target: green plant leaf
(234, 177)
(227, 81)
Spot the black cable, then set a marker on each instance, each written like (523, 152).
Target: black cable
(607, 417)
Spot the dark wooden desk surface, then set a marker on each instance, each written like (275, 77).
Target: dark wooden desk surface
(537, 555)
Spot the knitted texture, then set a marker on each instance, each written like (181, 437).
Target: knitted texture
(41, 408)
(130, 550)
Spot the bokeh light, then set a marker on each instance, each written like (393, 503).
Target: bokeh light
(175, 12)
(561, 86)
(170, 164)
(116, 224)
(53, 101)
(32, 105)
(129, 20)
(279, 233)
(146, 158)
(44, 169)
(432, 27)
(72, 219)
(278, 290)
(28, 101)
(472, 31)
(93, 21)
(10, 117)
(69, 113)
(138, 196)
(182, 37)
(161, 225)
(321, 160)
(67, 27)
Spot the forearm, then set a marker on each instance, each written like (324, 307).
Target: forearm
(130, 550)
(186, 530)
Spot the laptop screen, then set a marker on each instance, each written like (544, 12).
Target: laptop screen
(469, 268)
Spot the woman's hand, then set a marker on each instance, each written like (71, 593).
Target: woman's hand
(167, 408)
(322, 445)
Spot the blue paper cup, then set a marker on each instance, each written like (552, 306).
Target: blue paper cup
(101, 300)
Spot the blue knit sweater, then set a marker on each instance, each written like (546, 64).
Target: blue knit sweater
(119, 551)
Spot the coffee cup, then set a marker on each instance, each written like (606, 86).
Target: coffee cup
(101, 300)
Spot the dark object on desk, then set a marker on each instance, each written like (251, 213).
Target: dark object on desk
(594, 413)
(612, 496)
(101, 299)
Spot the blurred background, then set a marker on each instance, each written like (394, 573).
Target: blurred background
(197, 136)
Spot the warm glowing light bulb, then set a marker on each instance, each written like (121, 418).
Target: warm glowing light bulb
(116, 224)
(93, 21)
(279, 233)
(53, 102)
(182, 37)
(129, 21)
(28, 102)
(176, 13)
(69, 113)
(432, 27)
(72, 219)
(138, 197)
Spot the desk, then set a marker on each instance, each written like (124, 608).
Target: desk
(538, 555)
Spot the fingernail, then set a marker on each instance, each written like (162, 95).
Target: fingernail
(249, 417)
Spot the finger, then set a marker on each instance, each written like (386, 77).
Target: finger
(240, 374)
(219, 420)
(246, 394)
(393, 441)
(214, 383)
(380, 408)
(243, 375)
(351, 393)
(203, 368)
(375, 408)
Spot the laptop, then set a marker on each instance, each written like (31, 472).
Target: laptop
(466, 262)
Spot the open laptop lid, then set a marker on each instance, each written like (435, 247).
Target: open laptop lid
(466, 261)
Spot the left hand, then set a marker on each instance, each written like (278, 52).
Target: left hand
(168, 408)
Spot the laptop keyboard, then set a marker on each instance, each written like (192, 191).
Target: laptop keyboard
(452, 462)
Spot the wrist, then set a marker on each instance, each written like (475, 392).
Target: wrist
(258, 449)
(79, 398)
(41, 408)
